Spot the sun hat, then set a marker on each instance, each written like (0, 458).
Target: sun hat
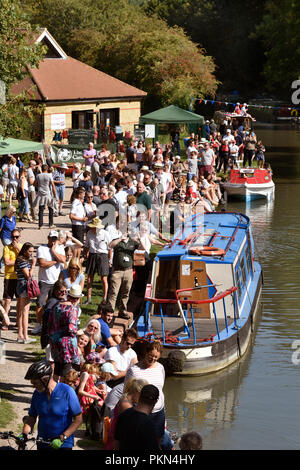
(190, 183)
(75, 291)
(96, 223)
(178, 157)
(203, 139)
(144, 168)
(158, 164)
(108, 367)
(64, 166)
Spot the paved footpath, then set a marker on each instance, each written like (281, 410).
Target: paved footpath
(18, 357)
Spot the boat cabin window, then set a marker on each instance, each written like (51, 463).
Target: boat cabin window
(238, 284)
(248, 259)
(243, 269)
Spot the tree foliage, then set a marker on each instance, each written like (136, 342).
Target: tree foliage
(280, 32)
(16, 52)
(224, 28)
(120, 39)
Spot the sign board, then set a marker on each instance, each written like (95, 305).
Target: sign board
(149, 131)
(58, 122)
(118, 129)
(81, 136)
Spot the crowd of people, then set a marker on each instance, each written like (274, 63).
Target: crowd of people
(120, 206)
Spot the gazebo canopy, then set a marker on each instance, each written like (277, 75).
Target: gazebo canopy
(14, 146)
(171, 114)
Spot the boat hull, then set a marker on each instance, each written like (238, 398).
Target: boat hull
(209, 358)
(250, 191)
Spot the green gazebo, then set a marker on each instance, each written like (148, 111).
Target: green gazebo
(174, 115)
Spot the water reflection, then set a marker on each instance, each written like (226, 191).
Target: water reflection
(208, 404)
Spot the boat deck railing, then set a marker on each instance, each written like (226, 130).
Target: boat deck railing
(183, 309)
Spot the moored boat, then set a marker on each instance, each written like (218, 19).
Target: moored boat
(203, 299)
(250, 183)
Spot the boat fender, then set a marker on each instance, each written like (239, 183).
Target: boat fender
(106, 427)
(175, 361)
(212, 251)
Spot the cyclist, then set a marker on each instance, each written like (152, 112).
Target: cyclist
(55, 404)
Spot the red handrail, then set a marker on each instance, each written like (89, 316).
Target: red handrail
(204, 301)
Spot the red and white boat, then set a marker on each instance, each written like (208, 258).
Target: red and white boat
(250, 183)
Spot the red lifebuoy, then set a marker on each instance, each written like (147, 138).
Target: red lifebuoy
(212, 251)
(195, 250)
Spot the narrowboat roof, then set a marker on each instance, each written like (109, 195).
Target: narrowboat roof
(221, 230)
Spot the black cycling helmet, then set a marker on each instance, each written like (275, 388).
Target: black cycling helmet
(39, 369)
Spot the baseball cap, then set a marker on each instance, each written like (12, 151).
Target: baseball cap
(108, 367)
(53, 234)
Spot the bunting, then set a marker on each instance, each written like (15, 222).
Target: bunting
(249, 105)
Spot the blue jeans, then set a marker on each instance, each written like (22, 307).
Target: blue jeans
(24, 207)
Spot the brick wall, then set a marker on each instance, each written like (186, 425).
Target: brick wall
(130, 112)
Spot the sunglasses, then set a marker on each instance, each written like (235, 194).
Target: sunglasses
(15, 237)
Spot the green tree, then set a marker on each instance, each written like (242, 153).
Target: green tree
(17, 51)
(224, 28)
(280, 32)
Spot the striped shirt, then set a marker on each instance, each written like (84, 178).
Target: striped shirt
(20, 265)
(154, 376)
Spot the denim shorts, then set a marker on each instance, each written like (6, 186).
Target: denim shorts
(22, 289)
(60, 191)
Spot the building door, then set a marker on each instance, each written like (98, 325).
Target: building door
(109, 119)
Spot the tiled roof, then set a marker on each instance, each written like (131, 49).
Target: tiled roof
(71, 80)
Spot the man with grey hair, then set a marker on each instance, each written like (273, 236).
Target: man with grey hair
(89, 156)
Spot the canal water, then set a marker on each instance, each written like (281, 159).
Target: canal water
(253, 404)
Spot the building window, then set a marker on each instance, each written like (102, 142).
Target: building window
(83, 119)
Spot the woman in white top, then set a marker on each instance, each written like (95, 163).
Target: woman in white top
(13, 175)
(90, 208)
(77, 175)
(153, 371)
(139, 154)
(78, 215)
(22, 196)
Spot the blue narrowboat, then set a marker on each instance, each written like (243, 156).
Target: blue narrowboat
(204, 295)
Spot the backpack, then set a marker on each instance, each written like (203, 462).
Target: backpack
(94, 421)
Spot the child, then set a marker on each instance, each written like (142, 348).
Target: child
(87, 390)
(190, 441)
(106, 371)
(72, 379)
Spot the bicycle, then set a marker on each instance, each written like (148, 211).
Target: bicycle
(21, 442)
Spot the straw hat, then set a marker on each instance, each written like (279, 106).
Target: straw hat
(75, 291)
(96, 223)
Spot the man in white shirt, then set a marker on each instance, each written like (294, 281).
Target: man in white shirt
(120, 196)
(234, 152)
(49, 259)
(96, 246)
(123, 355)
(228, 137)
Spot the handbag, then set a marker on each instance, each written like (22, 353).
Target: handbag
(33, 289)
(139, 258)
